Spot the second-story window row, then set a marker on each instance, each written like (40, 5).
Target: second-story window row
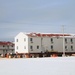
(66, 40)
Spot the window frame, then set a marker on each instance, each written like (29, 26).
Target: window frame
(16, 40)
(51, 40)
(65, 40)
(24, 39)
(51, 47)
(24, 47)
(17, 47)
(37, 46)
(66, 48)
(71, 48)
(31, 40)
(31, 48)
(71, 40)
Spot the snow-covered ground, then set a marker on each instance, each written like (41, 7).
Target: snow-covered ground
(38, 66)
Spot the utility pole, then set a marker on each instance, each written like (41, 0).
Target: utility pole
(63, 42)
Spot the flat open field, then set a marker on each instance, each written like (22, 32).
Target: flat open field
(38, 66)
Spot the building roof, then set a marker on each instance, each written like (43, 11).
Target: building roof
(46, 34)
(6, 43)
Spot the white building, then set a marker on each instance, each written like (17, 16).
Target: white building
(36, 43)
(6, 47)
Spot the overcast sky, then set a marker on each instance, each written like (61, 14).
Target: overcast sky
(46, 16)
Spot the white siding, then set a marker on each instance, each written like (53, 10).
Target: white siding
(36, 42)
(22, 43)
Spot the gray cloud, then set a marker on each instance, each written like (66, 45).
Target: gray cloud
(36, 16)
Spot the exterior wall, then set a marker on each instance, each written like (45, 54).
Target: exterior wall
(58, 44)
(69, 44)
(21, 46)
(36, 41)
(45, 44)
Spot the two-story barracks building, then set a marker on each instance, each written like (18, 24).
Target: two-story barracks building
(6, 48)
(44, 44)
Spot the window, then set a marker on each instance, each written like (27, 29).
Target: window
(66, 48)
(51, 47)
(37, 47)
(16, 40)
(24, 47)
(12, 46)
(3, 46)
(31, 47)
(24, 39)
(31, 40)
(51, 40)
(17, 47)
(72, 48)
(65, 40)
(71, 40)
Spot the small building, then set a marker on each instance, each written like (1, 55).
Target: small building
(44, 44)
(6, 48)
